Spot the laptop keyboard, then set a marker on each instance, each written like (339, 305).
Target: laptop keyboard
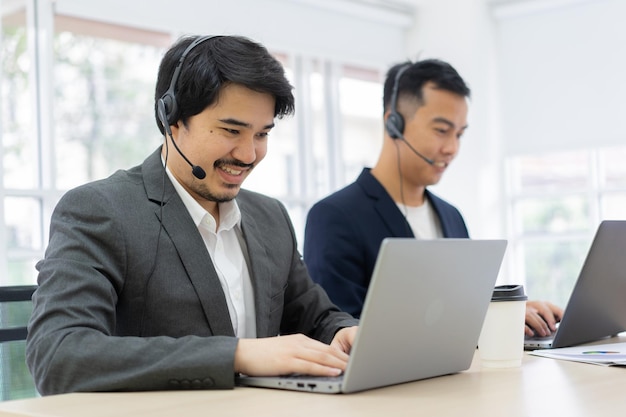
(317, 378)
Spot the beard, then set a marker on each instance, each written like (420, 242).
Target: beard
(203, 191)
(223, 197)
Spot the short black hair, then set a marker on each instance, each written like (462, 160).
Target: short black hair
(417, 74)
(214, 63)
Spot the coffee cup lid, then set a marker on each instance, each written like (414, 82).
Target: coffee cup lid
(509, 293)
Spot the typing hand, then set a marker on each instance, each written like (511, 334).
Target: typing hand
(541, 318)
(288, 354)
(344, 339)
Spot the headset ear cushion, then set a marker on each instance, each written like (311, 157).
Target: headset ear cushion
(395, 125)
(171, 107)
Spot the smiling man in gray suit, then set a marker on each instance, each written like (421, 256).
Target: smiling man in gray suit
(168, 275)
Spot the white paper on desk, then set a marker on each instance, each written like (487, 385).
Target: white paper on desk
(611, 354)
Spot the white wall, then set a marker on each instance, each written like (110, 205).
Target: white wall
(563, 76)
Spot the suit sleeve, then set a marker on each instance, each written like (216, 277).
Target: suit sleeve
(334, 252)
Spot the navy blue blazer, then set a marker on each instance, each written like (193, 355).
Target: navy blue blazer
(344, 232)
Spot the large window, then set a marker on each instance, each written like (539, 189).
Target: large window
(20, 211)
(556, 203)
(361, 93)
(67, 120)
(103, 106)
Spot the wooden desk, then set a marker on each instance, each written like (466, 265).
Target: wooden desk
(540, 387)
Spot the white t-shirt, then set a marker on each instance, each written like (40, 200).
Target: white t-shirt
(423, 220)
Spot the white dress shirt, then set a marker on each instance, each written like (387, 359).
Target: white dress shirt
(226, 253)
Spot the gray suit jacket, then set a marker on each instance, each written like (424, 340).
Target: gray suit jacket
(128, 297)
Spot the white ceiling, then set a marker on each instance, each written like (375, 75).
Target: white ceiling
(410, 6)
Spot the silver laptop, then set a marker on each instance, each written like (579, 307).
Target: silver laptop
(597, 305)
(422, 315)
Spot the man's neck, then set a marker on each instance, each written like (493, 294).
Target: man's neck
(410, 195)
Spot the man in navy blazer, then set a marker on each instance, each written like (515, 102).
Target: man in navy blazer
(425, 116)
(344, 232)
(167, 275)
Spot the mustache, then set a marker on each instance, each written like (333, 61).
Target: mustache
(235, 162)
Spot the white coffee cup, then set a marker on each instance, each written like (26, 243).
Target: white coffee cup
(501, 341)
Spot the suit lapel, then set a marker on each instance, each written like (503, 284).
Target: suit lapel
(258, 268)
(189, 245)
(386, 208)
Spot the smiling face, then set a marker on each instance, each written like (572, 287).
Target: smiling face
(434, 129)
(227, 139)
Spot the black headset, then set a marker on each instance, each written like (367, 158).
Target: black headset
(395, 122)
(167, 105)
